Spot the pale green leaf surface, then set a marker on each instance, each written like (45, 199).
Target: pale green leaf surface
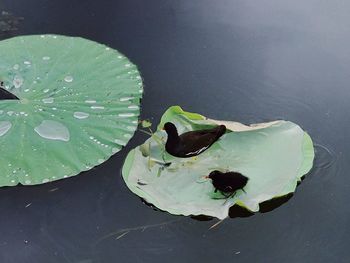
(79, 104)
(273, 155)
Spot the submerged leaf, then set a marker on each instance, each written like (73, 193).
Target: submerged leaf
(274, 156)
(78, 105)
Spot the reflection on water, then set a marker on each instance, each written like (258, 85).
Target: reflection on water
(8, 24)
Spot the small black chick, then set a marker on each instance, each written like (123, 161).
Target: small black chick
(228, 182)
(190, 143)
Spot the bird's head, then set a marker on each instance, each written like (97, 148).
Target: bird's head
(213, 174)
(170, 128)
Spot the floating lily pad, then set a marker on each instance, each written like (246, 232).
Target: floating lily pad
(273, 155)
(78, 105)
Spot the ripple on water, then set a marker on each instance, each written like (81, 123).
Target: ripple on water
(325, 157)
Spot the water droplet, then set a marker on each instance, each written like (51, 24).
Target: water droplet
(90, 101)
(16, 67)
(68, 79)
(133, 107)
(46, 90)
(126, 98)
(81, 115)
(5, 126)
(97, 107)
(126, 115)
(48, 100)
(46, 58)
(53, 130)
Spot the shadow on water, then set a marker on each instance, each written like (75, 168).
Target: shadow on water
(150, 205)
(240, 212)
(274, 203)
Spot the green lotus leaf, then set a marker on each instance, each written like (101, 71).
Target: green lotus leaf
(273, 155)
(78, 105)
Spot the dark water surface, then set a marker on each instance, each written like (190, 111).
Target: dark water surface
(248, 61)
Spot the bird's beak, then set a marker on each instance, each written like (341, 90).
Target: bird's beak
(205, 177)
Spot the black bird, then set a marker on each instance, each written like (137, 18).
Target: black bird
(190, 143)
(229, 182)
